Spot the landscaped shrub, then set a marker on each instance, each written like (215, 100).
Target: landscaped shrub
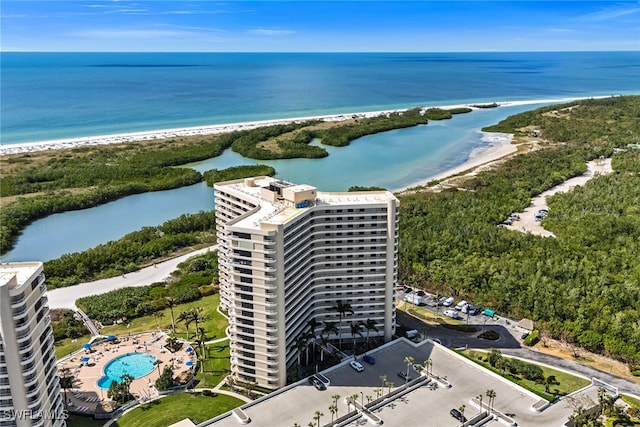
(532, 338)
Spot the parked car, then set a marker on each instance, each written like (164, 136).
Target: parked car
(404, 376)
(356, 365)
(448, 302)
(473, 310)
(317, 383)
(322, 378)
(452, 313)
(461, 305)
(457, 415)
(369, 359)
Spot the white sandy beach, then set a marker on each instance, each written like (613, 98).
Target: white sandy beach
(499, 146)
(214, 129)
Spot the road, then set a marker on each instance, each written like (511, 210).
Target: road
(509, 344)
(66, 297)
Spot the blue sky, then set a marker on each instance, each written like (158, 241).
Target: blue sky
(324, 26)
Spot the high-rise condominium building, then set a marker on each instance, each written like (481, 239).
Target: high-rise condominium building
(29, 384)
(290, 255)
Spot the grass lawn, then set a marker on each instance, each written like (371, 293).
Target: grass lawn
(214, 327)
(66, 346)
(621, 422)
(82, 421)
(176, 407)
(565, 383)
(631, 400)
(217, 366)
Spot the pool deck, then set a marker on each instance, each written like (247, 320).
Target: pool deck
(87, 397)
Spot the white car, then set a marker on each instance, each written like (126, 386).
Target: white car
(452, 313)
(447, 302)
(356, 365)
(462, 304)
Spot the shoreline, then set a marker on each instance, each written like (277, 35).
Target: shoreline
(499, 146)
(121, 138)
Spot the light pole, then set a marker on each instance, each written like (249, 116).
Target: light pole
(362, 401)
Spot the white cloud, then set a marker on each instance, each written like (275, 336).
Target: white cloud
(609, 13)
(270, 32)
(167, 32)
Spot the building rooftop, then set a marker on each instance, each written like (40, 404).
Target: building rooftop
(23, 271)
(281, 201)
(299, 402)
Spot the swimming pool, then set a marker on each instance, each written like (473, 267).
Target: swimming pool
(135, 364)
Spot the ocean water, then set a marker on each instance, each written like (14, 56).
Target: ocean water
(54, 96)
(48, 96)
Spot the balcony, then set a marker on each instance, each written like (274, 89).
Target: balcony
(17, 300)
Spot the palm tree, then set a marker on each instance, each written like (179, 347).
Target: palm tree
(329, 328)
(335, 398)
(157, 364)
(355, 330)
(428, 364)
(491, 394)
(370, 325)
(354, 398)
(66, 382)
(383, 378)
(342, 308)
(126, 381)
(197, 313)
(461, 409)
(334, 410)
(390, 385)
(548, 382)
(158, 315)
(313, 324)
(378, 391)
(299, 344)
(171, 302)
(317, 416)
(201, 340)
(187, 318)
(409, 362)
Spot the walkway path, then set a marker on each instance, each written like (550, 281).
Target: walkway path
(623, 385)
(66, 297)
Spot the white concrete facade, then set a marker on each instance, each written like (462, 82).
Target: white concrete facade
(287, 255)
(29, 384)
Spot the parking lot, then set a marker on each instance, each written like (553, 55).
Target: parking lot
(423, 406)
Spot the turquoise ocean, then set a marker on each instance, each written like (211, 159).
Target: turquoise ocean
(48, 96)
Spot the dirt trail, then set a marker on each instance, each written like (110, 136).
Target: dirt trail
(527, 222)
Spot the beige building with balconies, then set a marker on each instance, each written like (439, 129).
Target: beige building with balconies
(29, 384)
(287, 255)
